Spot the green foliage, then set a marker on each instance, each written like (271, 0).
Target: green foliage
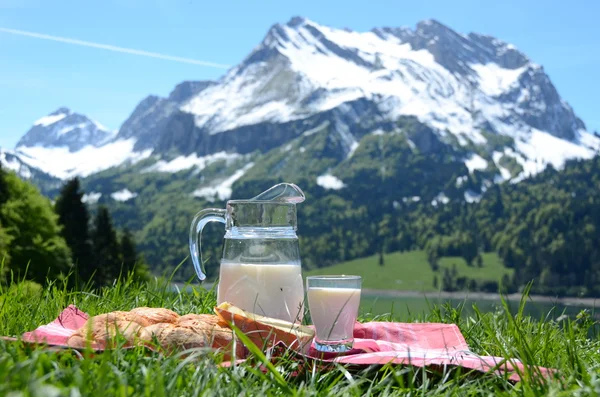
(128, 253)
(551, 232)
(31, 234)
(107, 259)
(4, 193)
(409, 271)
(73, 216)
(511, 164)
(460, 243)
(21, 292)
(497, 142)
(403, 189)
(131, 262)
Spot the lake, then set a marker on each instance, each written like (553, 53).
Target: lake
(404, 308)
(407, 305)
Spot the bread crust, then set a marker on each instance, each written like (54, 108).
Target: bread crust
(173, 337)
(156, 315)
(221, 336)
(106, 334)
(156, 327)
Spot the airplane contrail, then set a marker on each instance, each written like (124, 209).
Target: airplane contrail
(114, 48)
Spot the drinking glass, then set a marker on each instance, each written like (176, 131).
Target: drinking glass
(333, 303)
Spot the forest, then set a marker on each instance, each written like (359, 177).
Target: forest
(545, 227)
(44, 242)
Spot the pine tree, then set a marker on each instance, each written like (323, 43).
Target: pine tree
(479, 260)
(105, 248)
(4, 194)
(4, 236)
(74, 218)
(128, 252)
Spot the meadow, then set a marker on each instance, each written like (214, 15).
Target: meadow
(409, 271)
(570, 345)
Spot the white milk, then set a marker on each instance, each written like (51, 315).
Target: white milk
(273, 290)
(333, 312)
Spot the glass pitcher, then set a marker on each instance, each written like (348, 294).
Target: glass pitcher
(260, 268)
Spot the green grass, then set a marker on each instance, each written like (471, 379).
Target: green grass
(410, 270)
(569, 346)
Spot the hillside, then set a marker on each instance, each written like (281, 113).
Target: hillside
(409, 271)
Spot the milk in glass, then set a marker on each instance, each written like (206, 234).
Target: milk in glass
(333, 312)
(273, 290)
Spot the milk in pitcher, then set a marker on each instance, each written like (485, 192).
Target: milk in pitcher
(274, 289)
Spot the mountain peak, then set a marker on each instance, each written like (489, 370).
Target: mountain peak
(296, 21)
(53, 117)
(61, 110)
(65, 128)
(187, 89)
(432, 25)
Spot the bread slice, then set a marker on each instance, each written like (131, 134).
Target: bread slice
(221, 336)
(265, 331)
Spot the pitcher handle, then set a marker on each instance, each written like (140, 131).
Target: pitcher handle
(198, 223)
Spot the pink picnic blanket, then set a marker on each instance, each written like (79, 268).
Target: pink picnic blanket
(417, 344)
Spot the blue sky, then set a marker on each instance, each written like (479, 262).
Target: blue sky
(37, 76)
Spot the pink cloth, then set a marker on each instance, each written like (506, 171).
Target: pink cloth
(58, 331)
(417, 344)
(421, 345)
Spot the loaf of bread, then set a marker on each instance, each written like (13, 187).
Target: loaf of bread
(158, 328)
(156, 315)
(103, 331)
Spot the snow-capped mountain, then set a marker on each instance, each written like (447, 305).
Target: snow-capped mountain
(13, 161)
(474, 92)
(64, 128)
(457, 84)
(64, 144)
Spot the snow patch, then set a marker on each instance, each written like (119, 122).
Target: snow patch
(440, 199)
(329, 181)
(590, 141)
(476, 162)
(542, 149)
(472, 197)
(63, 164)
(461, 180)
(414, 199)
(91, 197)
(495, 80)
(222, 190)
(353, 147)
(123, 195)
(48, 120)
(15, 165)
(504, 173)
(192, 161)
(318, 128)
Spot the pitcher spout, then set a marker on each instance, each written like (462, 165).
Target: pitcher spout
(283, 192)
